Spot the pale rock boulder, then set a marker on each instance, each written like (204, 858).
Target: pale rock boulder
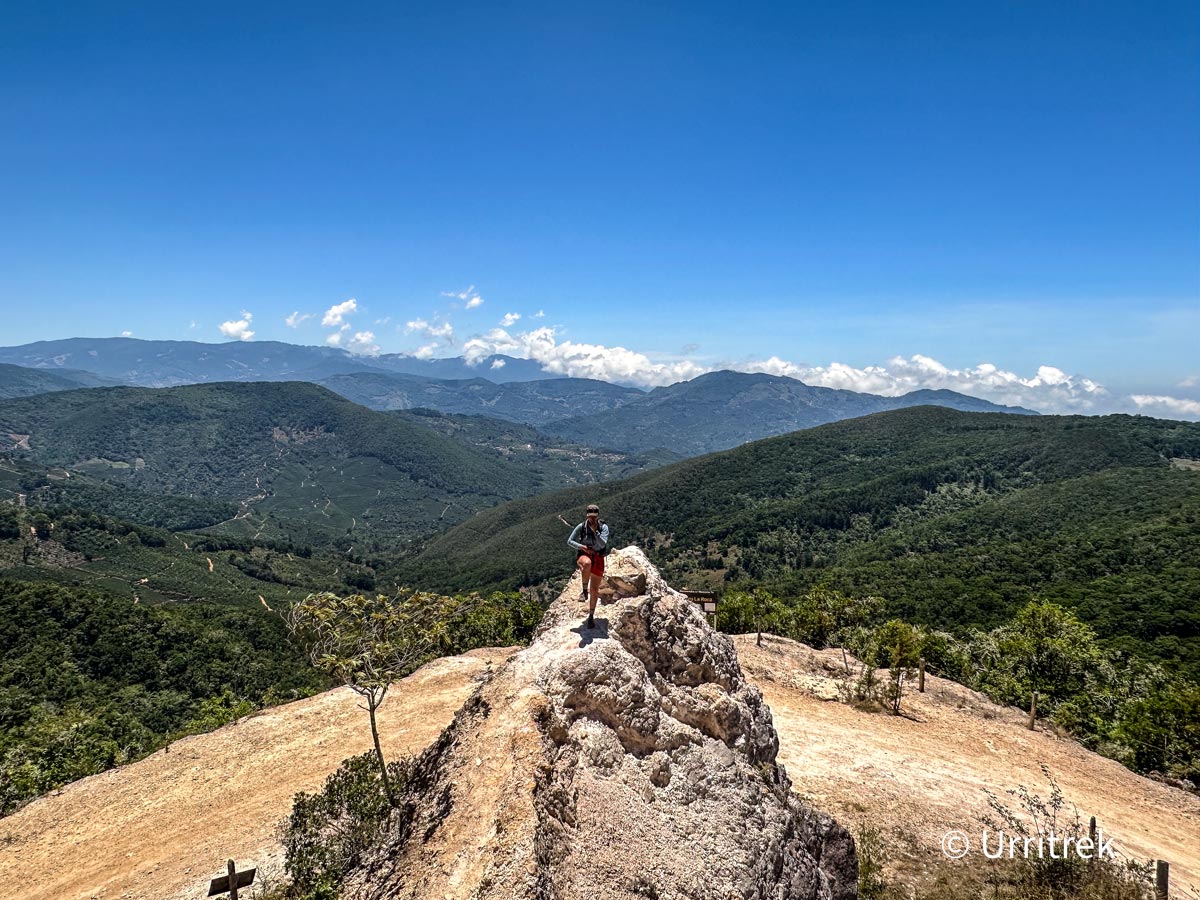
(627, 761)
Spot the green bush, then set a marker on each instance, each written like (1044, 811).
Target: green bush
(329, 831)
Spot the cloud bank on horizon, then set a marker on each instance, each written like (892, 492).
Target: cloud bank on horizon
(1049, 389)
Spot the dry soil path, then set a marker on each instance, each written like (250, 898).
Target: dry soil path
(918, 777)
(163, 826)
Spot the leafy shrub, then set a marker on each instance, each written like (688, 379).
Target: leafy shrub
(328, 832)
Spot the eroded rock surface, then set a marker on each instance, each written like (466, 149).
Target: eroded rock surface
(631, 760)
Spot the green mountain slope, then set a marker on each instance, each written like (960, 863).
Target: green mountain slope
(951, 516)
(555, 462)
(529, 402)
(300, 463)
(724, 409)
(21, 381)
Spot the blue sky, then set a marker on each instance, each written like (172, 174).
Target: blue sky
(1012, 183)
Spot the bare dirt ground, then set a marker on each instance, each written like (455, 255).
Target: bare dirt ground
(918, 776)
(163, 826)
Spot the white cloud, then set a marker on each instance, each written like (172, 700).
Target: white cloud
(442, 335)
(1190, 382)
(509, 320)
(336, 313)
(540, 314)
(193, 324)
(126, 334)
(498, 363)
(1170, 407)
(578, 360)
(470, 297)
(363, 344)
(423, 326)
(1050, 390)
(294, 320)
(334, 339)
(383, 321)
(239, 329)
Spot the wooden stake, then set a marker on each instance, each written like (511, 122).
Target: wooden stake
(1162, 878)
(1033, 712)
(232, 870)
(921, 676)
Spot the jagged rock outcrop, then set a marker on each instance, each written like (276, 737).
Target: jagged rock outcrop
(631, 760)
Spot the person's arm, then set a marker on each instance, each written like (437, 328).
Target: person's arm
(573, 540)
(603, 536)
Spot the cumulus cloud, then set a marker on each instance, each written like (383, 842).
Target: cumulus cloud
(509, 320)
(336, 314)
(441, 333)
(362, 343)
(238, 329)
(498, 363)
(578, 360)
(444, 331)
(1168, 407)
(1049, 390)
(540, 314)
(1190, 382)
(294, 320)
(470, 297)
(126, 334)
(334, 339)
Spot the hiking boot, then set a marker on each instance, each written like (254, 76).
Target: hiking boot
(591, 622)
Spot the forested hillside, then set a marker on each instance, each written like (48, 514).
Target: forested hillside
(297, 461)
(954, 518)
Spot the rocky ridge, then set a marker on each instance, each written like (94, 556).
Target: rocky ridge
(630, 760)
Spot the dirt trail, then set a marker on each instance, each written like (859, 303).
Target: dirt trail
(917, 778)
(161, 827)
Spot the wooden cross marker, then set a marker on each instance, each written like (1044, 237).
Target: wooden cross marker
(231, 881)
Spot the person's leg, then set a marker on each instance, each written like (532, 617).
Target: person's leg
(584, 562)
(594, 593)
(597, 576)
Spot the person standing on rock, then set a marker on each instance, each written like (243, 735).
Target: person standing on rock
(590, 540)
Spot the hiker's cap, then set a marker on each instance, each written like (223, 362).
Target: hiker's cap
(593, 508)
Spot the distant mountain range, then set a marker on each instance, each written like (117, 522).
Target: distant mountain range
(525, 402)
(724, 409)
(712, 412)
(169, 363)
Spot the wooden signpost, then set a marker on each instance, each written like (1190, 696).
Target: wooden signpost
(231, 881)
(707, 601)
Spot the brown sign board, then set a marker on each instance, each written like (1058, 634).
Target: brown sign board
(221, 885)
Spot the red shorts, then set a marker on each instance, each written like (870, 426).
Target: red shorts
(596, 558)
